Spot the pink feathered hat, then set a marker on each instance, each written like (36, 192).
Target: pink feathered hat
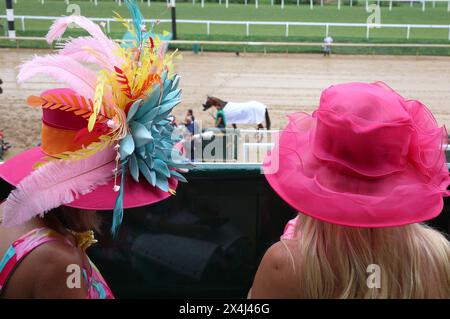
(107, 138)
(59, 129)
(365, 158)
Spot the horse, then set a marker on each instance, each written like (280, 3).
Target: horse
(251, 112)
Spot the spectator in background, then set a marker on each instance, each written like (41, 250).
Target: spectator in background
(190, 113)
(220, 120)
(191, 129)
(327, 41)
(190, 123)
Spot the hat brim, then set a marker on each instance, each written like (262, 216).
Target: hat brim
(327, 193)
(103, 197)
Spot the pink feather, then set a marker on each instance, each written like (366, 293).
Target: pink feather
(76, 49)
(62, 68)
(101, 41)
(60, 25)
(57, 183)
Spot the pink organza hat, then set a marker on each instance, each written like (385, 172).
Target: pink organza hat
(365, 158)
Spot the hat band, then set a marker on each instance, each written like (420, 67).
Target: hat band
(58, 140)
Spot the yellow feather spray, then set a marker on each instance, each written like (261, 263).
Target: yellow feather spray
(80, 154)
(99, 88)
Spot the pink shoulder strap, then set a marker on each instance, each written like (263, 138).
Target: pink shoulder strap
(20, 248)
(290, 231)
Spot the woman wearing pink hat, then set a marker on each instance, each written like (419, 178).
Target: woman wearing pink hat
(363, 171)
(106, 144)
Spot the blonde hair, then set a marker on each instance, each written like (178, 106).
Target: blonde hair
(414, 261)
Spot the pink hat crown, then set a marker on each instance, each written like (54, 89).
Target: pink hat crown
(373, 131)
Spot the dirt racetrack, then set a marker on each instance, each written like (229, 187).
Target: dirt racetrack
(285, 82)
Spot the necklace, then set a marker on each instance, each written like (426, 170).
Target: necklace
(84, 239)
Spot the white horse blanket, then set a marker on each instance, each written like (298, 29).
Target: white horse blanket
(251, 112)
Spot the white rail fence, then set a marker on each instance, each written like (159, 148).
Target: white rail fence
(339, 3)
(265, 45)
(261, 148)
(311, 3)
(248, 24)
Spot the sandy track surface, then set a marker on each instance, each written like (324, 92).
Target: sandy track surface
(285, 82)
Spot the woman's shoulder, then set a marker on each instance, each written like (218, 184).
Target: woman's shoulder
(58, 252)
(53, 267)
(63, 274)
(276, 275)
(281, 254)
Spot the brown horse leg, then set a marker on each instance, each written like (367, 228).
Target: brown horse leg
(268, 124)
(258, 135)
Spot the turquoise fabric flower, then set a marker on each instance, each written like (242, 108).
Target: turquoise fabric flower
(148, 149)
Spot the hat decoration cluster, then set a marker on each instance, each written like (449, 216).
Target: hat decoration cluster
(127, 105)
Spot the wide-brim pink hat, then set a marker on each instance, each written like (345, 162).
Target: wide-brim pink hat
(365, 158)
